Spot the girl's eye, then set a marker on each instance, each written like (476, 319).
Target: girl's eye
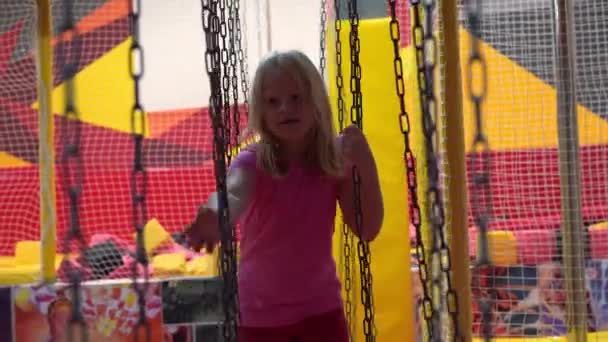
(272, 101)
(295, 97)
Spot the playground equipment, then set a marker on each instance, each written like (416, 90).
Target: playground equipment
(505, 138)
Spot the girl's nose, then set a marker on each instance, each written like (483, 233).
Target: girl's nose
(284, 105)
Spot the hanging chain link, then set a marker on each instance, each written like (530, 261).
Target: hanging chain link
(426, 59)
(347, 235)
(339, 76)
(323, 40)
(68, 55)
(139, 176)
(234, 81)
(356, 115)
(410, 163)
(224, 48)
(241, 50)
(356, 110)
(481, 163)
(212, 27)
(429, 311)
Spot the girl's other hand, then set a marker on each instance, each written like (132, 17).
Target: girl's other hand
(355, 148)
(204, 231)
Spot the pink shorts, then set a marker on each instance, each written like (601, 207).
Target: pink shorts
(327, 327)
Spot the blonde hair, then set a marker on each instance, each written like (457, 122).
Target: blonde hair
(322, 152)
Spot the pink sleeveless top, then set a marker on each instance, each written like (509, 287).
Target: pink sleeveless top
(287, 271)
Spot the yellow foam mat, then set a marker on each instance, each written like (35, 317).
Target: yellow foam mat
(155, 235)
(21, 274)
(12, 272)
(599, 226)
(172, 264)
(7, 261)
(200, 266)
(599, 336)
(502, 248)
(27, 253)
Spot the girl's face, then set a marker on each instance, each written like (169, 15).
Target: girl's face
(288, 111)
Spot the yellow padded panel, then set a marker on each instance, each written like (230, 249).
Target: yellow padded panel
(27, 252)
(200, 266)
(22, 274)
(7, 261)
(502, 247)
(599, 226)
(390, 255)
(12, 273)
(598, 336)
(155, 235)
(169, 264)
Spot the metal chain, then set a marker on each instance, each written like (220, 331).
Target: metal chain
(410, 164)
(225, 77)
(429, 107)
(234, 81)
(72, 165)
(139, 177)
(241, 50)
(429, 310)
(323, 40)
(356, 110)
(339, 76)
(211, 25)
(347, 235)
(481, 194)
(426, 56)
(356, 115)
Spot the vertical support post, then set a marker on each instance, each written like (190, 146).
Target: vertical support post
(569, 167)
(46, 165)
(268, 27)
(258, 19)
(457, 188)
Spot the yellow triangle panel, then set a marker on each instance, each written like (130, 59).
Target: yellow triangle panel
(104, 91)
(8, 160)
(520, 109)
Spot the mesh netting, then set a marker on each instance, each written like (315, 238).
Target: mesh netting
(528, 284)
(177, 152)
(19, 186)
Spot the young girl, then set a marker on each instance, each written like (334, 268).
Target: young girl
(283, 191)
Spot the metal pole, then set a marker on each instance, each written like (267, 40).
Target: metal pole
(268, 27)
(569, 167)
(455, 149)
(44, 54)
(258, 19)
